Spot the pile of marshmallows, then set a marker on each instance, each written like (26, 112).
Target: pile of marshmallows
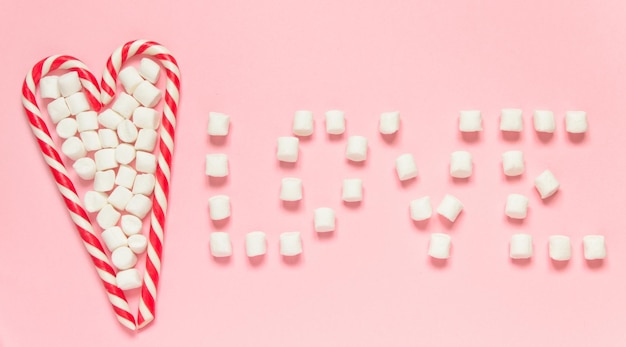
(114, 149)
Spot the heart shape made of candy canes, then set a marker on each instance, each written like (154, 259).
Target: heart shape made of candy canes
(99, 96)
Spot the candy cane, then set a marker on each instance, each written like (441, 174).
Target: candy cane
(166, 148)
(64, 184)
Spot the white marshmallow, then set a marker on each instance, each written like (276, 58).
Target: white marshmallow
(406, 167)
(127, 131)
(352, 190)
(131, 225)
(77, 103)
(220, 244)
(216, 165)
(421, 209)
(291, 189)
(139, 205)
(219, 124)
(511, 119)
(461, 164)
(137, 243)
(125, 105)
(69, 83)
(546, 184)
(105, 159)
(87, 120)
(125, 176)
(147, 94)
(49, 87)
(123, 258)
(594, 247)
(57, 110)
(516, 206)
(85, 168)
(303, 123)
(324, 219)
(91, 140)
(146, 140)
(544, 121)
(108, 216)
(219, 207)
(256, 243)
(114, 238)
(287, 149)
(389, 123)
(145, 117)
(470, 121)
(104, 181)
(290, 243)
(125, 153)
(130, 79)
(521, 246)
(450, 207)
(66, 128)
(110, 119)
(335, 122)
(144, 184)
(108, 138)
(119, 197)
(94, 201)
(560, 248)
(149, 70)
(73, 148)
(513, 163)
(439, 246)
(356, 150)
(128, 279)
(145, 162)
(576, 122)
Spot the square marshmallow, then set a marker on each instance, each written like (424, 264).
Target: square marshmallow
(146, 140)
(335, 122)
(58, 110)
(125, 105)
(439, 246)
(576, 122)
(130, 79)
(287, 149)
(87, 120)
(146, 118)
(421, 209)
(546, 184)
(303, 123)
(150, 70)
(516, 206)
(77, 103)
(91, 140)
(560, 248)
(594, 247)
(144, 184)
(511, 119)
(220, 244)
(139, 205)
(110, 119)
(256, 243)
(138, 243)
(114, 238)
(470, 121)
(461, 164)
(94, 201)
(49, 87)
(67, 128)
(324, 219)
(406, 167)
(356, 149)
(216, 165)
(73, 148)
(450, 207)
(219, 124)
(290, 243)
(85, 168)
(108, 138)
(389, 123)
(219, 207)
(147, 94)
(145, 162)
(105, 159)
(119, 197)
(128, 279)
(352, 190)
(125, 176)
(104, 181)
(108, 216)
(513, 163)
(291, 189)
(69, 83)
(544, 121)
(521, 246)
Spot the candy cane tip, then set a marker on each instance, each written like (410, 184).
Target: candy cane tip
(127, 324)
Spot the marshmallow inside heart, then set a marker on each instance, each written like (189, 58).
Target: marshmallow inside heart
(114, 150)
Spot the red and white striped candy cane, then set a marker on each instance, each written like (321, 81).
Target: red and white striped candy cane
(52, 158)
(166, 149)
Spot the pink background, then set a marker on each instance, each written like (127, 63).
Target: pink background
(371, 282)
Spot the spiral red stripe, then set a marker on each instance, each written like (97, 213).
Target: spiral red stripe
(64, 184)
